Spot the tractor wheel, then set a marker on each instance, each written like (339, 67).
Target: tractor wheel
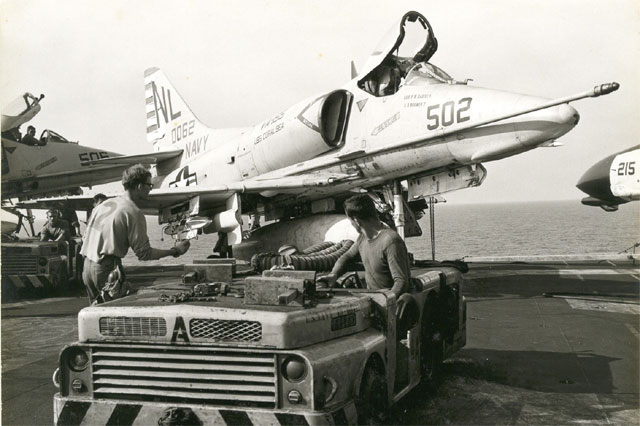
(371, 403)
(432, 347)
(61, 283)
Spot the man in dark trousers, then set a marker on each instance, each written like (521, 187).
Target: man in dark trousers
(116, 225)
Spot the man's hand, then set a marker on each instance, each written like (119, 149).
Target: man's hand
(329, 280)
(182, 248)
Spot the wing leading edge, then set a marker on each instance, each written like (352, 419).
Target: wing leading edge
(210, 196)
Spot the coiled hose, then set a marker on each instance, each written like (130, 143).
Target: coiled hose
(320, 258)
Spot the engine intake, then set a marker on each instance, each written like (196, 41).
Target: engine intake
(304, 131)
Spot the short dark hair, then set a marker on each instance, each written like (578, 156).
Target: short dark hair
(29, 129)
(99, 196)
(135, 175)
(360, 206)
(53, 212)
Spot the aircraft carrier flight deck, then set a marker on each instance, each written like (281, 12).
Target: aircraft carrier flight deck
(548, 342)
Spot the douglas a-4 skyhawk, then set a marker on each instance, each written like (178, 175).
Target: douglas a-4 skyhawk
(401, 128)
(50, 165)
(612, 181)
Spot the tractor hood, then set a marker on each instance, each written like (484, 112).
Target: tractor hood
(143, 318)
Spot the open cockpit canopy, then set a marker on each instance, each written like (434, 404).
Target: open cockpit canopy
(19, 111)
(401, 58)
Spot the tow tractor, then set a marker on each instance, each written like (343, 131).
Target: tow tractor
(31, 267)
(271, 349)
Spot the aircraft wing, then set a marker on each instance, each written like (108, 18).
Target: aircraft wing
(209, 196)
(130, 160)
(213, 196)
(76, 202)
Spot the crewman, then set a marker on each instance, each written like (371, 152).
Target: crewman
(116, 225)
(383, 252)
(55, 229)
(30, 137)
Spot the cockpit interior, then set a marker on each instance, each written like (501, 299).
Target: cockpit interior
(402, 59)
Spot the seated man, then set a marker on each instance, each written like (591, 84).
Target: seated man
(383, 252)
(55, 229)
(30, 137)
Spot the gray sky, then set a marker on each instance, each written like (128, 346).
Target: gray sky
(237, 63)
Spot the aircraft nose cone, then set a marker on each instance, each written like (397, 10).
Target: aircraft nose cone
(568, 115)
(562, 119)
(546, 125)
(595, 181)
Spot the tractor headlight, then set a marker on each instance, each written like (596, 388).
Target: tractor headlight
(78, 359)
(294, 368)
(42, 261)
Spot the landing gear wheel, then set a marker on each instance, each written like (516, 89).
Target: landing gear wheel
(371, 403)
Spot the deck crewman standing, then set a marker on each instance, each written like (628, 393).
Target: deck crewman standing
(116, 225)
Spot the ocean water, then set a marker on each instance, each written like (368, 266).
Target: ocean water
(530, 228)
(506, 229)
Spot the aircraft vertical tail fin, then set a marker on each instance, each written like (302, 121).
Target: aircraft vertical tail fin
(169, 120)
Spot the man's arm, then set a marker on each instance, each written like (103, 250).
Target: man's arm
(341, 264)
(398, 261)
(139, 241)
(175, 251)
(64, 233)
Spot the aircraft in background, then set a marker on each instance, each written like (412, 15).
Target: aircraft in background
(52, 165)
(402, 129)
(612, 181)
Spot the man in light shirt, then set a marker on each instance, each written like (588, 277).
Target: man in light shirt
(116, 225)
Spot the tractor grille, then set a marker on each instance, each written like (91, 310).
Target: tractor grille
(188, 375)
(19, 263)
(133, 326)
(226, 330)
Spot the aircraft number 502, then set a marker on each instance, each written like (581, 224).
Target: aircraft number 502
(182, 131)
(626, 168)
(448, 114)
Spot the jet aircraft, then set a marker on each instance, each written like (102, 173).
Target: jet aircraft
(401, 129)
(52, 165)
(613, 180)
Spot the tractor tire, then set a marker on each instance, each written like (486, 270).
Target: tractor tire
(61, 283)
(432, 347)
(371, 404)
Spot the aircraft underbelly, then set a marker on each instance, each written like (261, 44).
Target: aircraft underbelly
(406, 162)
